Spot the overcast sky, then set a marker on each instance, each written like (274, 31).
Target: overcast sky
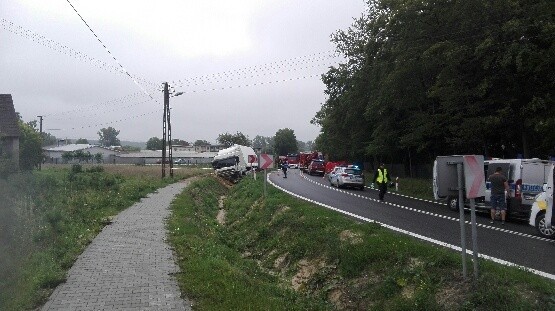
(251, 66)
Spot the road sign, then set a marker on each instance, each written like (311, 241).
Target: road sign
(266, 161)
(474, 180)
(252, 158)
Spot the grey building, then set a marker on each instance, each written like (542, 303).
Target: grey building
(9, 129)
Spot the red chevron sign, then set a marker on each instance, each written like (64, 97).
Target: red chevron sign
(266, 161)
(474, 176)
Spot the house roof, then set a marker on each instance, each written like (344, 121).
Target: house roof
(71, 147)
(8, 118)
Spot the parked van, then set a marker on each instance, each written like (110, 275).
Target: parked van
(233, 162)
(526, 178)
(541, 206)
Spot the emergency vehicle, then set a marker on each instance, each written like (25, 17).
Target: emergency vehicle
(306, 157)
(542, 209)
(293, 160)
(526, 178)
(234, 162)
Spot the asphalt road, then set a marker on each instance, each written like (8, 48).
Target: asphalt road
(514, 243)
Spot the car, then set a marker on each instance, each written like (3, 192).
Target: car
(349, 176)
(537, 217)
(180, 161)
(316, 167)
(293, 165)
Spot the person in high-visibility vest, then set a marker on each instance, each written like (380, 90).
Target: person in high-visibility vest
(381, 178)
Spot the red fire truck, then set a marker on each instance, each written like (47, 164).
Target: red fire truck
(306, 157)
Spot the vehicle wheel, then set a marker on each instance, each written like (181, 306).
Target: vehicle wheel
(361, 188)
(453, 203)
(542, 230)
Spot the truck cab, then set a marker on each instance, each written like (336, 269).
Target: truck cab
(542, 209)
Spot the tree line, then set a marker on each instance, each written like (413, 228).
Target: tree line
(428, 78)
(283, 142)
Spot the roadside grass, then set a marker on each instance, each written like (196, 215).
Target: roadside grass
(415, 187)
(48, 217)
(281, 253)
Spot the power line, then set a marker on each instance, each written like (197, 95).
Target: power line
(61, 48)
(107, 50)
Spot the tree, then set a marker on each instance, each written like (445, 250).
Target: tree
(265, 143)
(199, 142)
(179, 142)
(48, 139)
(82, 141)
(128, 148)
(285, 142)
(108, 137)
(229, 139)
(154, 143)
(30, 146)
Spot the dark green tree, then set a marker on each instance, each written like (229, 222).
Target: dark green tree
(154, 143)
(82, 141)
(238, 138)
(199, 142)
(285, 142)
(108, 137)
(30, 146)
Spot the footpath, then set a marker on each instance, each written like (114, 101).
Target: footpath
(129, 265)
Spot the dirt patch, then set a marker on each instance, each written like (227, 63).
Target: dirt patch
(306, 270)
(407, 292)
(281, 262)
(415, 263)
(221, 212)
(350, 237)
(280, 211)
(452, 295)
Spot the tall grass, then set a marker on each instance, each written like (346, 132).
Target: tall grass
(301, 256)
(48, 217)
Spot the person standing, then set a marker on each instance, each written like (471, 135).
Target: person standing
(499, 191)
(284, 167)
(381, 177)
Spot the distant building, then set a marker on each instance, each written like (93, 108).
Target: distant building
(9, 129)
(203, 148)
(54, 154)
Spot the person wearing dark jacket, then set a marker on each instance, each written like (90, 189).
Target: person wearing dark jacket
(284, 167)
(381, 178)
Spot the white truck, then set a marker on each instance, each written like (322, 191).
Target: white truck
(526, 178)
(234, 162)
(542, 209)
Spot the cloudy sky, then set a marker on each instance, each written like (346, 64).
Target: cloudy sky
(251, 66)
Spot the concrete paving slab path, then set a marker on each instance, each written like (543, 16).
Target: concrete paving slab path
(129, 265)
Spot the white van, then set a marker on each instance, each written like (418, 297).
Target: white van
(234, 162)
(526, 178)
(543, 207)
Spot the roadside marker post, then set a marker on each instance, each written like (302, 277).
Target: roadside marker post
(475, 185)
(266, 161)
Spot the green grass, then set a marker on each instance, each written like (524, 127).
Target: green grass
(48, 217)
(254, 261)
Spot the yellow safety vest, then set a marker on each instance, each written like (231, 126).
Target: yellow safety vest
(382, 176)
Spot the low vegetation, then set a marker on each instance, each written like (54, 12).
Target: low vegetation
(48, 217)
(239, 250)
